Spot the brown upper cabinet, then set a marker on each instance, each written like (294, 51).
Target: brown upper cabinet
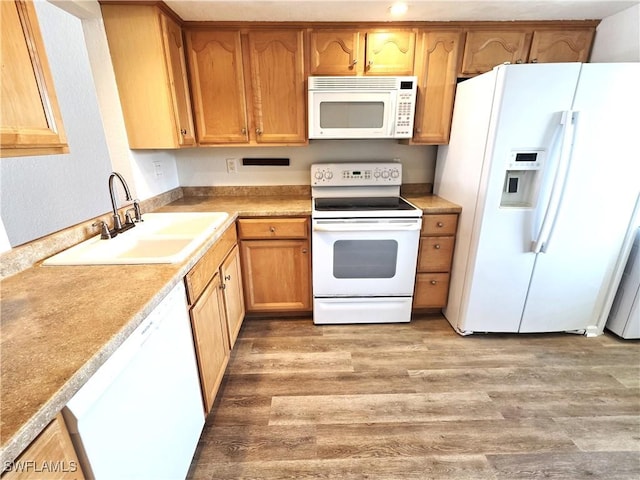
(486, 48)
(248, 86)
(355, 52)
(148, 58)
(31, 123)
(436, 68)
(550, 46)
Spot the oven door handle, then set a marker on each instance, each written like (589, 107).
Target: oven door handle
(367, 227)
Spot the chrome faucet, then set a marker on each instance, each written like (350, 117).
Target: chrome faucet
(117, 222)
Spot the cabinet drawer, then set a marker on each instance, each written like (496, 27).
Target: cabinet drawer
(257, 228)
(203, 271)
(446, 224)
(431, 290)
(435, 254)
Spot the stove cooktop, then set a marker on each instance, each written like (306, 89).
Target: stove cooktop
(354, 207)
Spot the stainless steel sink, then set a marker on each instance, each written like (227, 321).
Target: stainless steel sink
(161, 238)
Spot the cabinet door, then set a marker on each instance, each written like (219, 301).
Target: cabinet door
(30, 123)
(276, 275)
(52, 447)
(217, 77)
(336, 52)
(277, 83)
(233, 294)
(211, 340)
(485, 49)
(390, 52)
(436, 68)
(149, 74)
(550, 46)
(177, 72)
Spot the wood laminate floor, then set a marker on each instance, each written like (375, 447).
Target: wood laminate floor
(418, 401)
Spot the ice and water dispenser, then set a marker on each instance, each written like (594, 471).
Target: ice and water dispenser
(522, 178)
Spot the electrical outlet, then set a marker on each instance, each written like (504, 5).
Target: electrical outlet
(232, 165)
(157, 168)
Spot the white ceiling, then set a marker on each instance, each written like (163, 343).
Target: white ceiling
(376, 10)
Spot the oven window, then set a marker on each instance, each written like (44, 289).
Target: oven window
(351, 114)
(365, 258)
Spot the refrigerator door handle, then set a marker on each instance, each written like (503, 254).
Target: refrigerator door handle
(567, 122)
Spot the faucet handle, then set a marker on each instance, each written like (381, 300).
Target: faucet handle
(104, 229)
(137, 211)
(128, 220)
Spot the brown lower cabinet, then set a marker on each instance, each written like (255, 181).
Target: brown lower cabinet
(437, 240)
(214, 292)
(276, 264)
(50, 456)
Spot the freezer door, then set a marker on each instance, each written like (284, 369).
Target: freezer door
(571, 278)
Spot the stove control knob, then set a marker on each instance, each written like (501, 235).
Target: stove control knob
(328, 174)
(385, 174)
(395, 173)
(318, 175)
(376, 174)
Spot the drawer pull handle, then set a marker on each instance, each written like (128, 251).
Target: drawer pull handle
(437, 246)
(433, 282)
(440, 224)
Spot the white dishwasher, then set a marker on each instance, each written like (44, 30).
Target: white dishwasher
(140, 415)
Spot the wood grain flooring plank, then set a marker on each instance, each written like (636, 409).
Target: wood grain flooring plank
(433, 438)
(429, 360)
(458, 467)
(567, 403)
(342, 344)
(253, 443)
(503, 379)
(293, 362)
(318, 383)
(382, 408)
(611, 433)
(279, 327)
(628, 375)
(567, 466)
(247, 410)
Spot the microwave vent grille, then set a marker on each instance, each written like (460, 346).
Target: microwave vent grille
(352, 83)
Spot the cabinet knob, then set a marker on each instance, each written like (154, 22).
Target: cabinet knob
(183, 131)
(353, 64)
(440, 224)
(258, 131)
(535, 60)
(243, 131)
(369, 64)
(227, 277)
(304, 250)
(222, 286)
(519, 60)
(272, 229)
(433, 282)
(437, 246)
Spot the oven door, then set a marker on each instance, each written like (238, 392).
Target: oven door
(373, 257)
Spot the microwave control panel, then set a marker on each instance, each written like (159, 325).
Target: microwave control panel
(353, 174)
(405, 109)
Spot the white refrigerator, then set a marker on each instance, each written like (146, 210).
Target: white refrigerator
(545, 161)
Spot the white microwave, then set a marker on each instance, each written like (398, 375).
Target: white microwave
(361, 107)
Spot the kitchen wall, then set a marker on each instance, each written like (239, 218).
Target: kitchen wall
(208, 166)
(618, 37)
